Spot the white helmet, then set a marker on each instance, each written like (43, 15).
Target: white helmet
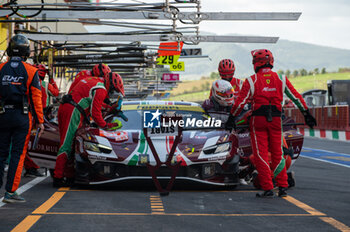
(222, 92)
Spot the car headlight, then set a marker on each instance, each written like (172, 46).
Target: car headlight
(218, 148)
(96, 147)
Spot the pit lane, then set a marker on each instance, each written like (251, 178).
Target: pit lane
(319, 202)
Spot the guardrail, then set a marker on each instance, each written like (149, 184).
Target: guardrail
(328, 117)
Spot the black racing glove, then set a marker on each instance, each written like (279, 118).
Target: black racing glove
(230, 123)
(309, 119)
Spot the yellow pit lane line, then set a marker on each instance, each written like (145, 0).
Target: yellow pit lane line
(336, 224)
(303, 206)
(184, 214)
(28, 222)
(340, 226)
(178, 191)
(158, 210)
(156, 205)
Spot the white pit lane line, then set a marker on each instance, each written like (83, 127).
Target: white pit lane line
(26, 187)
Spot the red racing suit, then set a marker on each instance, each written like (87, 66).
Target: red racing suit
(89, 93)
(236, 85)
(80, 76)
(51, 89)
(266, 89)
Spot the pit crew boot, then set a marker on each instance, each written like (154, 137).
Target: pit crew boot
(59, 182)
(291, 179)
(282, 192)
(266, 194)
(33, 172)
(70, 182)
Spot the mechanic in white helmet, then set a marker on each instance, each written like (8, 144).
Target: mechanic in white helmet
(221, 99)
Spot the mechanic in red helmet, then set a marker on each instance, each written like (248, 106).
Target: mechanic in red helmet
(46, 88)
(266, 89)
(86, 96)
(99, 70)
(227, 70)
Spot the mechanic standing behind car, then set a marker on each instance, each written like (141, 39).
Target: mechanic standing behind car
(86, 96)
(49, 88)
(46, 89)
(266, 89)
(20, 100)
(227, 71)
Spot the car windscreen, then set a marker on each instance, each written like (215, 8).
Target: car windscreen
(135, 117)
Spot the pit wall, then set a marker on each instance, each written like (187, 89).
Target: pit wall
(332, 122)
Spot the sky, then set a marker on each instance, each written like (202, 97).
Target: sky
(323, 22)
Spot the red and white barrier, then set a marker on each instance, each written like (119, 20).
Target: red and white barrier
(332, 122)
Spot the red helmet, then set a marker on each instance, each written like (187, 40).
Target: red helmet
(226, 68)
(262, 58)
(100, 70)
(113, 81)
(42, 70)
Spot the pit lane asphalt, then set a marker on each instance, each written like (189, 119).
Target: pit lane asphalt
(319, 202)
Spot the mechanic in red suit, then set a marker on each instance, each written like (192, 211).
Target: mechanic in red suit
(50, 89)
(85, 97)
(227, 70)
(99, 70)
(266, 89)
(46, 89)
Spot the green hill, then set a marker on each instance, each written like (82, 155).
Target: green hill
(317, 82)
(288, 55)
(185, 91)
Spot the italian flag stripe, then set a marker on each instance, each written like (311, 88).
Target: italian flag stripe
(294, 99)
(328, 134)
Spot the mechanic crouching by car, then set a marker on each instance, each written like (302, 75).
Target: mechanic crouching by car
(86, 96)
(20, 100)
(99, 70)
(221, 99)
(266, 89)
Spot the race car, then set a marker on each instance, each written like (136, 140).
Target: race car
(203, 151)
(102, 157)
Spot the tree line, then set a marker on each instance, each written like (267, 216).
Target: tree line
(302, 72)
